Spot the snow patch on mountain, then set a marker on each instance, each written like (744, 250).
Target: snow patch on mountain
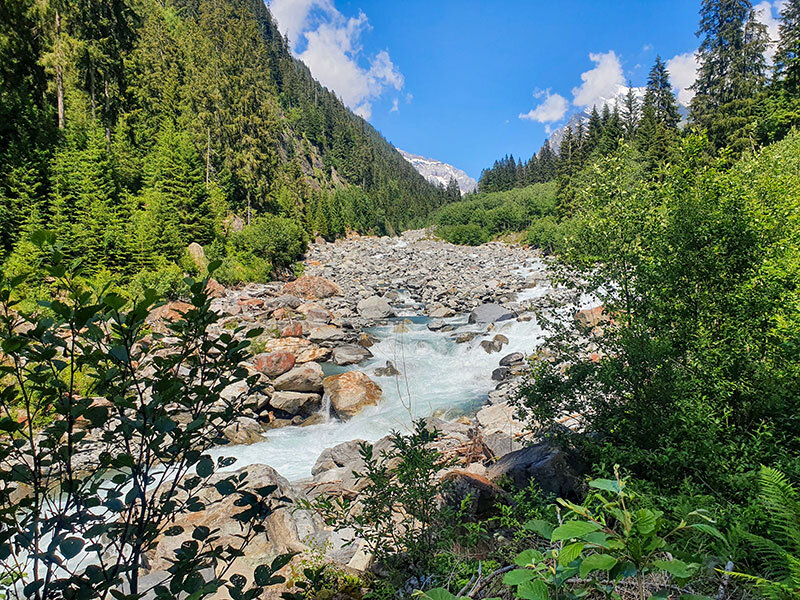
(440, 173)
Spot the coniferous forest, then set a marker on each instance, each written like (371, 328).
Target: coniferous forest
(134, 128)
(602, 404)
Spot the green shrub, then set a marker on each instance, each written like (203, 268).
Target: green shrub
(167, 280)
(465, 235)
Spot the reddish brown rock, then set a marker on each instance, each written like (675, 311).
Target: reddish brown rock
(588, 318)
(312, 288)
(292, 330)
(351, 392)
(315, 312)
(170, 312)
(251, 302)
(281, 313)
(215, 289)
(274, 364)
(303, 350)
(480, 494)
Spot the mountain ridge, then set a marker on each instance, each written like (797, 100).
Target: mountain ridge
(440, 173)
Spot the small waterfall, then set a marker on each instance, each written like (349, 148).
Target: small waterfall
(325, 409)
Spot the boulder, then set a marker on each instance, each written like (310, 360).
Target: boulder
(244, 431)
(350, 392)
(375, 308)
(465, 337)
(495, 344)
(440, 312)
(292, 330)
(198, 257)
(215, 289)
(274, 364)
(500, 373)
(326, 333)
(556, 471)
(350, 354)
(315, 312)
(168, 313)
(388, 371)
(346, 454)
(499, 417)
(303, 350)
(303, 378)
(471, 492)
(296, 403)
(287, 300)
(285, 528)
(490, 313)
(587, 318)
(512, 359)
(312, 288)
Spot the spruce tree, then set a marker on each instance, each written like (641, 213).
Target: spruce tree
(659, 96)
(732, 63)
(787, 60)
(630, 113)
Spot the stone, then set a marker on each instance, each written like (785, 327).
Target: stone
(198, 257)
(490, 313)
(375, 307)
(303, 378)
(315, 312)
(500, 443)
(557, 472)
(588, 318)
(244, 431)
(274, 364)
(285, 300)
(388, 371)
(234, 390)
(285, 527)
(168, 313)
(350, 354)
(346, 454)
(463, 338)
(351, 392)
(512, 359)
(326, 333)
(312, 288)
(500, 417)
(304, 351)
(292, 330)
(472, 492)
(436, 325)
(500, 373)
(296, 403)
(215, 289)
(441, 312)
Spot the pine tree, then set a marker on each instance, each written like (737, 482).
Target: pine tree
(594, 132)
(732, 63)
(787, 59)
(659, 96)
(630, 113)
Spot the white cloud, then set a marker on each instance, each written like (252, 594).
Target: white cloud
(332, 50)
(599, 83)
(683, 73)
(769, 14)
(552, 109)
(395, 105)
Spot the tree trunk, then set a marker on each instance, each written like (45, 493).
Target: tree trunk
(59, 77)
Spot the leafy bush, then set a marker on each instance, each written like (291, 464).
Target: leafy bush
(78, 519)
(465, 235)
(167, 281)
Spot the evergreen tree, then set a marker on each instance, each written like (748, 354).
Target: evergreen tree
(732, 66)
(787, 59)
(594, 132)
(630, 113)
(659, 96)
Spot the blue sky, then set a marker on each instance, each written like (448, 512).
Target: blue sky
(451, 79)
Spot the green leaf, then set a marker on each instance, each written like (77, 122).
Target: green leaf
(597, 562)
(676, 568)
(436, 594)
(70, 547)
(573, 529)
(518, 576)
(543, 528)
(528, 557)
(205, 466)
(533, 590)
(570, 553)
(608, 485)
(710, 530)
(645, 521)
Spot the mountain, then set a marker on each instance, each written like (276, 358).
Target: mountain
(440, 173)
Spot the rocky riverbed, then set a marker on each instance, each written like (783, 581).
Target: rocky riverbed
(376, 333)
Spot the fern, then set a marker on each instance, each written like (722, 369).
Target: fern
(780, 499)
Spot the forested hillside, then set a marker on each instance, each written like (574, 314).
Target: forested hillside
(132, 128)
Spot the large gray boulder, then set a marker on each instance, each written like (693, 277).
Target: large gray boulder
(303, 378)
(556, 471)
(346, 454)
(490, 313)
(296, 403)
(375, 307)
(350, 354)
